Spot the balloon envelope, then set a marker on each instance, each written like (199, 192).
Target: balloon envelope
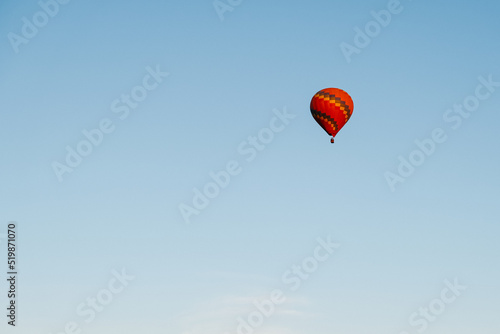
(332, 108)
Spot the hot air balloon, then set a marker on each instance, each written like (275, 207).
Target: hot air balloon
(331, 108)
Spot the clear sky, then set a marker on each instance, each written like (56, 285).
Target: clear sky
(121, 206)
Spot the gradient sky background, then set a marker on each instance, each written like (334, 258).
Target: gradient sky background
(119, 208)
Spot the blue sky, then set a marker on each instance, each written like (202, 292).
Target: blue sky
(119, 208)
